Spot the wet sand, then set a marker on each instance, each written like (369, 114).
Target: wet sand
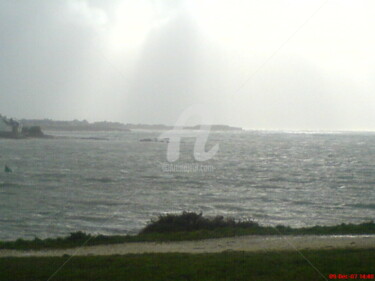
(243, 243)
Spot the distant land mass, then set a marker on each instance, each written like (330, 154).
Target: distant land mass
(77, 125)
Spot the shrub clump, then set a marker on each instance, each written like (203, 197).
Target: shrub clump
(191, 221)
(78, 236)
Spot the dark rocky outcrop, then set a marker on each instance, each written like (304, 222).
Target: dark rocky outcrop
(34, 132)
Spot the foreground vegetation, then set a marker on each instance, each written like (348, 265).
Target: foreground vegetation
(265, 266)
(187, 226)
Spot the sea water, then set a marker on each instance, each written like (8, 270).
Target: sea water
(115, 184)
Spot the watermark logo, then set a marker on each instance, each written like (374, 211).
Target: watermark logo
(200, 134)
(177, 133)
(186, 168)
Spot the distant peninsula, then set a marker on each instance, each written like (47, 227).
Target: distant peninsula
(77, 125)
(32, 128)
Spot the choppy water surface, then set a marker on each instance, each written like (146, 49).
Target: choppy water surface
(115, 186)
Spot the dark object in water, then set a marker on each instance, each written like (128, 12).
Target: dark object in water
(166, 140)
(7, 169)
(93, 138)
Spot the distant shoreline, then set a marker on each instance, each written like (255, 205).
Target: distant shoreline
(84, 126)
(76, 125)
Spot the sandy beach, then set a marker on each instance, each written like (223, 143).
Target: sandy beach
(243, 243)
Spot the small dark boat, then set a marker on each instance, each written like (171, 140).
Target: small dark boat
(166, 140)
(7, 169)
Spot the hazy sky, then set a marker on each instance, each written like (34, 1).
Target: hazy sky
(144, 61)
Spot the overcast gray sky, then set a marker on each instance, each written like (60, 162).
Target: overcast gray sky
(145, 61)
